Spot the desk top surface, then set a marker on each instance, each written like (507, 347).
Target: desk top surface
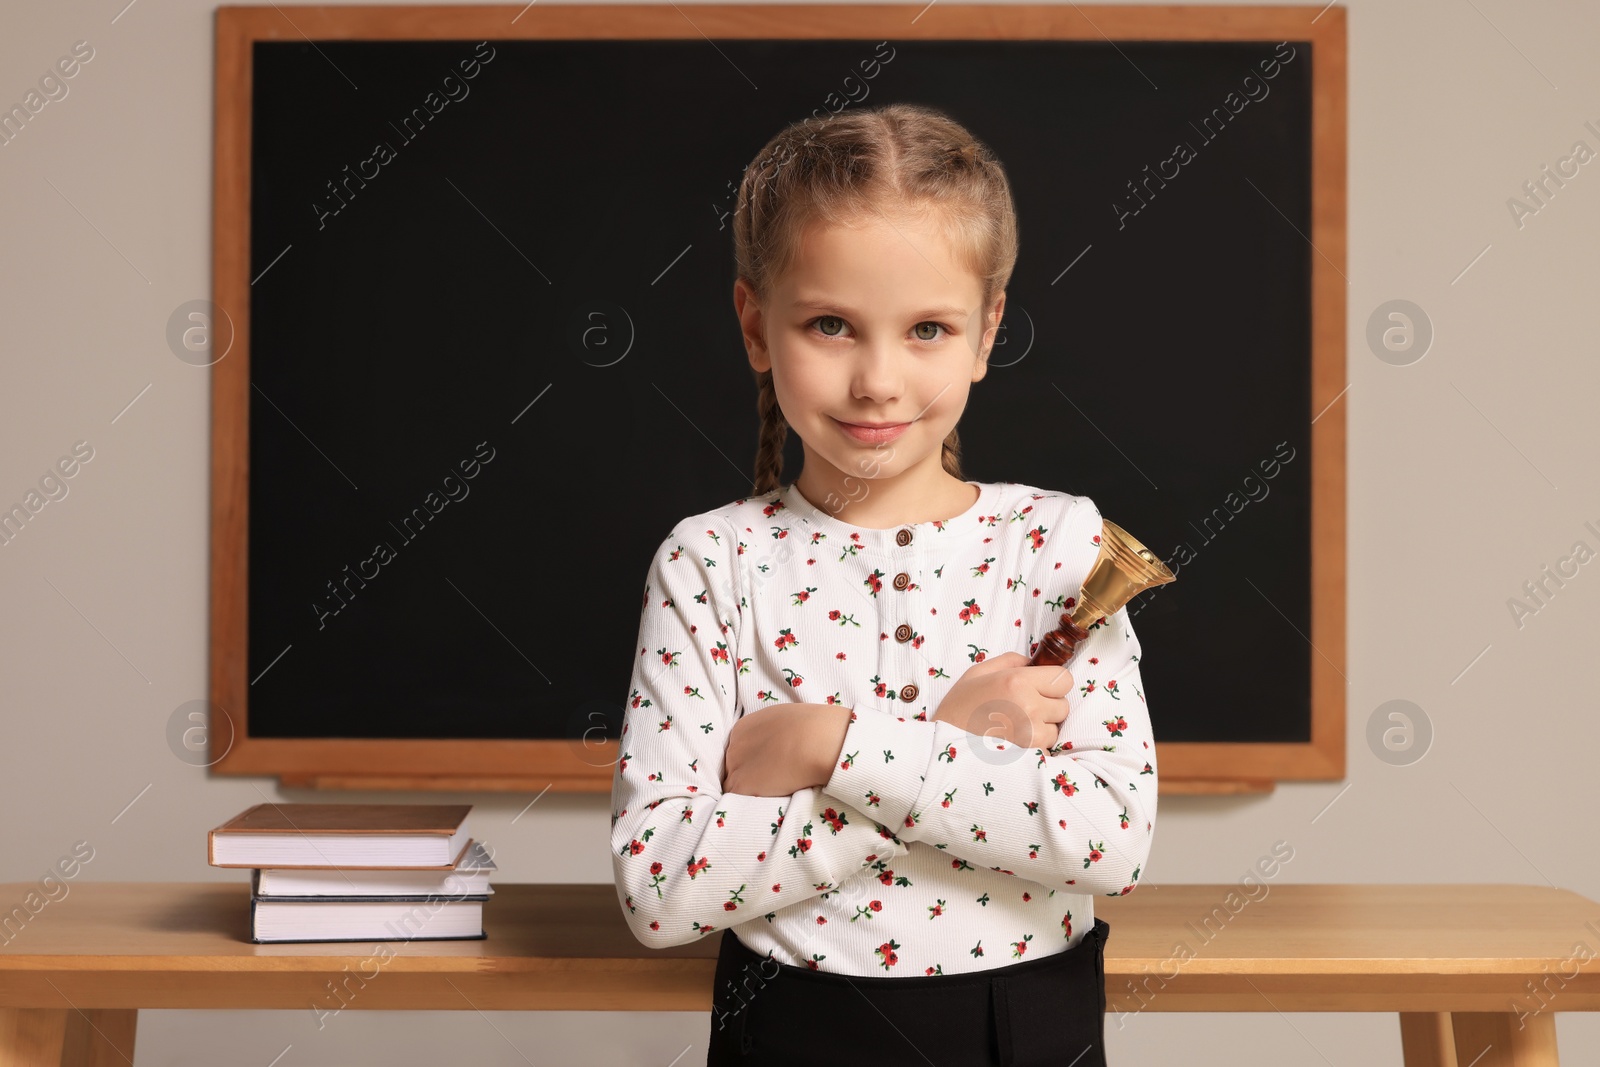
(1217, 929)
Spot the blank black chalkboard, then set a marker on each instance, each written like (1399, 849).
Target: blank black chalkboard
(494, 357)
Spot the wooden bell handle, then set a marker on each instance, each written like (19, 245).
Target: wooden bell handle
(1057, 646)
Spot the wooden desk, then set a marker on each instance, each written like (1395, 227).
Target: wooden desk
(73, 976)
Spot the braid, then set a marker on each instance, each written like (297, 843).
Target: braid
(769, 445)
(951, 455)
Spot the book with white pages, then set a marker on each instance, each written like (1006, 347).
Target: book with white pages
(468, 878)
(428, 918)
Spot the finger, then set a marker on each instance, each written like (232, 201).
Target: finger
(1002, 718)
(1004, 659)
(1051, 680)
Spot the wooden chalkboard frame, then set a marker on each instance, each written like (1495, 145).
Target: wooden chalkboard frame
(579, 766)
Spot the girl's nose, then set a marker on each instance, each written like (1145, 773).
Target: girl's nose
(880, 373)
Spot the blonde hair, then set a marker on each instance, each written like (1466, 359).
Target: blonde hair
(835, 169)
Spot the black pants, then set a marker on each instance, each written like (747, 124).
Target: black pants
(1043, 1012)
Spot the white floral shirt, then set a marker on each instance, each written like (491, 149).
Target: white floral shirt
(929, 850)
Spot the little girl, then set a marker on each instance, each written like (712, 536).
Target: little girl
(835, 755)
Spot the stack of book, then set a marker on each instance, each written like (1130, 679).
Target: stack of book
(358, 872)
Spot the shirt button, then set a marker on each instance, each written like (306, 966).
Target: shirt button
(908, 693)
(902, 580)
(903, 538)
(902, 633)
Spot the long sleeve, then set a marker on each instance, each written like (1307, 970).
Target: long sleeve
(688, 858)
(1080, 814)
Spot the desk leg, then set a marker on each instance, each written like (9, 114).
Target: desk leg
(50, 1037)
(1505, 1039)
(1426, 1039)
(1483, 1039)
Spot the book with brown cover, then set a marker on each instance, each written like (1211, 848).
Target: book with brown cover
(419, 836)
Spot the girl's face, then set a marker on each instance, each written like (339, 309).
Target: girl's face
(875, 323)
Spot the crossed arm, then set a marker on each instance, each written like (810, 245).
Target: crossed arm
(1078, 814)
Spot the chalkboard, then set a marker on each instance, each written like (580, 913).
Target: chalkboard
(487, 358)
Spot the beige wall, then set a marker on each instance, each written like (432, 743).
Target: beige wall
(1469, 471)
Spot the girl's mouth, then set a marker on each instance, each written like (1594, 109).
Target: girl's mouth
(873, 435)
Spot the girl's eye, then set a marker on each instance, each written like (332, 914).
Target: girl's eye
(829, 318)
(918, 327)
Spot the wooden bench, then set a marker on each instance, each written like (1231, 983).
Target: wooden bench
(74, 975)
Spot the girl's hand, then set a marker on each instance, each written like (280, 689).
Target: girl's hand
(772, 752)
(1004, 697)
